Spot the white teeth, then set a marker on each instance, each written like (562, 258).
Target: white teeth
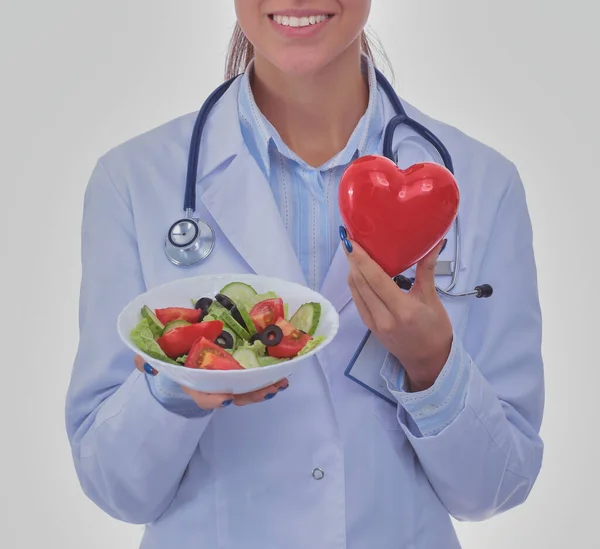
(296, 22)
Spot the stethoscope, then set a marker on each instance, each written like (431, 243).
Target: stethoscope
(190, 240)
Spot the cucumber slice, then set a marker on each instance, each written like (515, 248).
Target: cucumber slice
(246, 358)
(221, 313)
(286, 312)
(214, 311)
(307, 317)
(156, 326)
(269, 360)
(260, 297)
(175, 324)
(238, 292)
(246, 317)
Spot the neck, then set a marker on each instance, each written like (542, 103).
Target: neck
(315, 115)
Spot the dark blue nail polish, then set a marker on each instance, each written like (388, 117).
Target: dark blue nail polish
(443, 247)
(281, 389)
(148, 369)
(343, 233)
(270, 396)
(227, 403)
(348, 245)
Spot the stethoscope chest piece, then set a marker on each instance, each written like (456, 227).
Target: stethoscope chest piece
(189, 241)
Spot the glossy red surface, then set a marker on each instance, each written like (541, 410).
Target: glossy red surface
(397, 216)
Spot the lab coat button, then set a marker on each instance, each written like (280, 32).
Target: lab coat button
(318, 474)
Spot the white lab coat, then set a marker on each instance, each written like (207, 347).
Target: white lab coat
(243, 477)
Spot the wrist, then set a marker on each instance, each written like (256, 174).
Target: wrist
(423, 373)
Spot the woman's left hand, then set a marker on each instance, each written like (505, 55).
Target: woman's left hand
(413, 325)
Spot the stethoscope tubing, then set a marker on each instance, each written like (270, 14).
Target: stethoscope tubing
(189, 206)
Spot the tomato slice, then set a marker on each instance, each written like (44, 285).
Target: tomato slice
(178, 313)
(292, 343)
(267, 312)
(209, 356)
(179, 341)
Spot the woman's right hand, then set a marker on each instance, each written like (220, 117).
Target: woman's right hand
(211, 401)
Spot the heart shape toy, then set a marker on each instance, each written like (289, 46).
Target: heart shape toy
(397, 216)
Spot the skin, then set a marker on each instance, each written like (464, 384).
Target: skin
(313, 92)
(311, 89)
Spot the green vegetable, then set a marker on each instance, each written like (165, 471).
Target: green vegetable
(312, 344)
(238, 292)
(222, 314)
(258, 298)
(270, 360)
(249, 325)
(156, 326)
(307, 317)
(175, 324)
(246, 358)
(143, 337)
(182, 359)
(258, 347)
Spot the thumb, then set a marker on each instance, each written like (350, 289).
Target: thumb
(425, 273)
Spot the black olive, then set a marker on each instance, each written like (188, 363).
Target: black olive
(255, 337)
(225, 301)
(225, 340)
(235, 313)
(271, 335)
(204, 303)
(203, 314)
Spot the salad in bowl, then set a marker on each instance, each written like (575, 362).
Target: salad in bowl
(228, 333)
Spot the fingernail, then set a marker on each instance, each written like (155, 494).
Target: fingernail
(443, 247)
(282, 388)
(227, 403)
(148, 369)
(343, 233)
(270, 396)
(348, 245)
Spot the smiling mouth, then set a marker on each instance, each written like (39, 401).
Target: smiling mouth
(299, 22)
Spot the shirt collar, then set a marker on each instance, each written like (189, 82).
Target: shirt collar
(261, 137)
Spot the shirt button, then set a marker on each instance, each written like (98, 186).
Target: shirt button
(318, 474)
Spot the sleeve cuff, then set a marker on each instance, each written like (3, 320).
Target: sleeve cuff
(431, 411)
(170, 395)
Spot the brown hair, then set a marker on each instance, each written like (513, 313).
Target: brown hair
(241, 52)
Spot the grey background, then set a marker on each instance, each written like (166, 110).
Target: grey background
(80, 77)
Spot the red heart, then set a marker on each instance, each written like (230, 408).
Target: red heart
(397, 216)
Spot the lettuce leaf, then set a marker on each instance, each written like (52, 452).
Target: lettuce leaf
(143, 337)
(311, 345)
(258, 347)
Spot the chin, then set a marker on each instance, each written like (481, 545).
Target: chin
(302, 63)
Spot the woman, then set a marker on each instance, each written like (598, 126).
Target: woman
(327, 464)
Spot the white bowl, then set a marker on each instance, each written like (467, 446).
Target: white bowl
(179, 293)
